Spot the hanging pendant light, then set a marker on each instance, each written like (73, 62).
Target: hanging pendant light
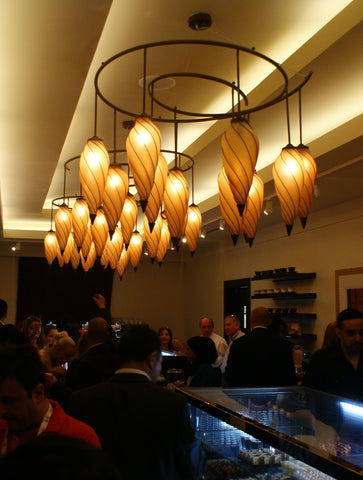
(176, 198)
(135, 249)
(164, 242)
(310, 170)
(155, 198)
(113, 199)
(252, 212)
(143, 149)
(128, 218)
(68, 250)
(239, 153)
(228, 206)
(288, 175)
(51, 246)
(192, 230)
(80, 220)
(86, 244)
(91, 258)
(75, 257)
(63, 225)
(152, 239)
(99, 230)
(122, 263)
(114, 248)
(93, 169)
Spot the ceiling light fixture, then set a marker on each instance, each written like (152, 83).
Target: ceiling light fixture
(163, 194)
(268, 207)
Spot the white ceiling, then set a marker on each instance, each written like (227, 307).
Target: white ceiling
(51, 50)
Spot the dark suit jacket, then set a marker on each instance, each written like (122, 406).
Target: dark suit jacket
(97, 364)
(143, 426)
(260, 359)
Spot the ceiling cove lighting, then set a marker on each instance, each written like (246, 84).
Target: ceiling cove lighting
(111, 193)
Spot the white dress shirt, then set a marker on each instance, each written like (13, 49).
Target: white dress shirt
(232, 338)
(221, 346)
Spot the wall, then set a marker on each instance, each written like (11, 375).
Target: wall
(8, 284)
(333, 239)
(151, 295)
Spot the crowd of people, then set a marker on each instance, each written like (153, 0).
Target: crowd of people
(105, 392)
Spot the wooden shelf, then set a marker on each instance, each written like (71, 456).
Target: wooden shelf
(302, 336)
(292, 277)
(294, 316)
(286, 296)
(286, 277)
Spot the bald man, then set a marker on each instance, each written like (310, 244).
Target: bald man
(260, 359)
(206, 326)
(99, 362)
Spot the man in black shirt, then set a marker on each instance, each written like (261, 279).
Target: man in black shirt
(260, 359)
(339, 369)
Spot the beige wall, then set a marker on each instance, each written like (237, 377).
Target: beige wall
(184, 289)
(333, 239)
(151, 295)
(8, 284)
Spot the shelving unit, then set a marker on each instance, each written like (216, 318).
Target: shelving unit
(289, 297)
(286, 296)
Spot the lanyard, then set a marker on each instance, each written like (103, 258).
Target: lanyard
(42, 428)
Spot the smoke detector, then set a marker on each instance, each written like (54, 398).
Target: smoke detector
(200, 21)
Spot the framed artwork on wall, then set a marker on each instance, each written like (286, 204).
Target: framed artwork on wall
(349, 289)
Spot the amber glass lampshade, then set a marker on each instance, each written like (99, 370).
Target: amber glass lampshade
(51, 246)
(75, 257)
(63, 225)
(194, 222)
(135, 249)
(288, 175)
(68, 250)
(86, 245)
(143, 149)
(91, 258)
(80, 220)
(176, 198)
(157, 191)
(99, 230)
(122, 262)
(310, 170)
(128, 218)
(164, 242)
(239, 153)
(116, 188)
(252, 212)
(152, 239)
(113, 248)
(228, 206)
(93, 170)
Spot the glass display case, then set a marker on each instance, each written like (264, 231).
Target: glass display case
(277, 433)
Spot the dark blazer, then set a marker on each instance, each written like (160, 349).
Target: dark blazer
(329, 370)
(97, 364)
(143, 426)
(260, 359)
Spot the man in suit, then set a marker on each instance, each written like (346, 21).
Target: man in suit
(99, 362)
(260, 359)
(144, 427)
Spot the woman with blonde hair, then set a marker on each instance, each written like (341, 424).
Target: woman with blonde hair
(55, 359)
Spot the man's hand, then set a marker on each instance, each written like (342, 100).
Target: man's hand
(99, 300)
